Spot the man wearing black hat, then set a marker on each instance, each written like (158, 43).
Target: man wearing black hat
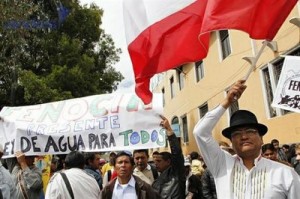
(246, 174)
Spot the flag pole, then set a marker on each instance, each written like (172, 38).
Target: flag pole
(253, 63)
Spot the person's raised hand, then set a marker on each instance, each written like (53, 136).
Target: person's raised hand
(234, 93)
(165, 124)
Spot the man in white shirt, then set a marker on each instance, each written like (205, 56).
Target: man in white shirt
(127, 186)
(82, 185)
(142, 169)
(247, 174)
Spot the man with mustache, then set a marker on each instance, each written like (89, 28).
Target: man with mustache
(246, 174)
(126, 185)
(144, 170)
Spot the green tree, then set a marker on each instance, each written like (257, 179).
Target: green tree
(39, 65)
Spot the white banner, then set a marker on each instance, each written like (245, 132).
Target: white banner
(108, 122)
(287, 95)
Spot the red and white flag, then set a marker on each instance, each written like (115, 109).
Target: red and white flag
(162, 34)
(261, 19)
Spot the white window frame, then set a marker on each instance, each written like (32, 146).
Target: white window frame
(180, 73)
(183, 132)
(201, 106)
(295, 51)
(229, 112)
(220, 45)
(270, 67)
(172, 87)
(201, 76)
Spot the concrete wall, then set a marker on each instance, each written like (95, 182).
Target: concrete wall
(219, 75)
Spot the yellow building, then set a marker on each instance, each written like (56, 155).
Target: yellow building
(193, 89)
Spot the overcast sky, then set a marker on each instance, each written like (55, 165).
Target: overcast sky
(112, 23)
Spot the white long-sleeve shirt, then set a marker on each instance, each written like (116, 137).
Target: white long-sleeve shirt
(83, 185)
(266, 180)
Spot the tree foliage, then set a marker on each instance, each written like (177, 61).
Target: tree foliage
(39, 65)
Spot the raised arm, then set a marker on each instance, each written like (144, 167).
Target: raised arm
(32, 177)
(211, 152)
(176, 151)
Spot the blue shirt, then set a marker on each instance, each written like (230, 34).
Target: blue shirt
(94, 173)
(122, 191)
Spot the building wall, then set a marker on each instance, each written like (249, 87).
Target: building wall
(220, 74)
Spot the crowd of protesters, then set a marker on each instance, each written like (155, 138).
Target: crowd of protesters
(246, 168)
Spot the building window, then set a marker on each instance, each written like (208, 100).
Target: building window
(180, 75)
(233, 107)
(172, 87)
(268, 91)
(176, 128)
(185, 129)
(224, 43)
(163, 96)
(270, 76)
(199, 70)
(203, 109)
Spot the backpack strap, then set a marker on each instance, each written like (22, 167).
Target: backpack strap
(108, 175)
(21, 185)
(64, 176)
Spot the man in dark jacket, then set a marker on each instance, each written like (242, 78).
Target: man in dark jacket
(193, 182)
(143, 169)
(92, 162)
(171, 182)
(126, 185)
(208, 185)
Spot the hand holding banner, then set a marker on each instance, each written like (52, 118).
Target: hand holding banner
(95, 123)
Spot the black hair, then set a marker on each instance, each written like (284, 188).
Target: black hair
(194, 155)
(274, 141)
(155, 153)
(166, 155)
(74, 159)
(61, 161)
(89, 156)
(124, 153)
(268, 146)
(286, 146)
(141, 151)
(112, 154)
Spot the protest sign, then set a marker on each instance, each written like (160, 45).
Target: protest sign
(287, 95)
(109, 122)
(44, 164)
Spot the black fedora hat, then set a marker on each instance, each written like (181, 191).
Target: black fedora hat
(242, 118)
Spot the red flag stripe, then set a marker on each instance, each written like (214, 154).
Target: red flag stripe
(167, 44)
(261, 19)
